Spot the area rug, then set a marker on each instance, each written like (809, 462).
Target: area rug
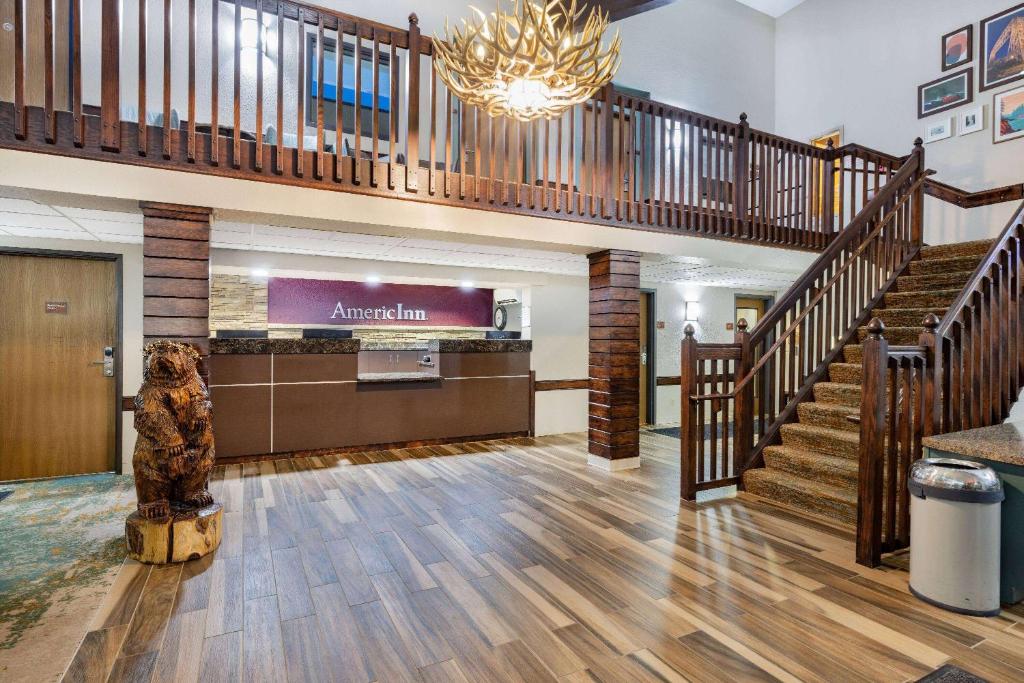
(674, 431)
(63, 541)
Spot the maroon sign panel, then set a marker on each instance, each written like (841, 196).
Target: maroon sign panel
(358, 304)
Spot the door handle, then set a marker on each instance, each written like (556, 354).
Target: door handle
(107, 362)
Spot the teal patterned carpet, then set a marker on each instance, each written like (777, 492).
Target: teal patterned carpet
(63, 539)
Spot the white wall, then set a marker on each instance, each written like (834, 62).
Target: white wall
(858, 65)
(716, 306)
(131, 350)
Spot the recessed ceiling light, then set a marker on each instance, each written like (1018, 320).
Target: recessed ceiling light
(468, 284)
(260, 272)
(373, 278)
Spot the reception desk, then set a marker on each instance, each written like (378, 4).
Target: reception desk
(288, 395)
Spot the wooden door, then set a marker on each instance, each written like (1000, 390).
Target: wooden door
(58, 410)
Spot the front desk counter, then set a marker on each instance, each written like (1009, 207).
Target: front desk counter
(290, 395)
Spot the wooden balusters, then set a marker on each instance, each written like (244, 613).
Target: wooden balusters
(110, 74)
(191, 143)
(167, 81)
(412, 137)
(76, 73)
(260, 37)
(49, 117)
(20, 112)
(300, 94)
(320, 86)
(392, 109)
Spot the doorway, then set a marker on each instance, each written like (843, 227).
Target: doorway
(751, 309)
(648, 361)
(60, 363)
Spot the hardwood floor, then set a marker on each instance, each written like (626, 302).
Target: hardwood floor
(515, 561)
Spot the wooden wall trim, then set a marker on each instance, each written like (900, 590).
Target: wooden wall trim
(561, 384)
(668, 381)
(970, 200)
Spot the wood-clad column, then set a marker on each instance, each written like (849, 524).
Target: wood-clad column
(614, 437)
(176, 273)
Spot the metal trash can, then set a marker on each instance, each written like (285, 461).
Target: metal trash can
(955, 513)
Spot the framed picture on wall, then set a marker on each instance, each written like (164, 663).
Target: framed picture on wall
(971, 120)
(1008, 115)
(958, 47)
(1002, 48)
(939, 129)
(945, 93)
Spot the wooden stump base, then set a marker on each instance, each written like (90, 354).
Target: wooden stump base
(183, 535)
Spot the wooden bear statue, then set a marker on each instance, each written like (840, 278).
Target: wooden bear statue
(174, 450)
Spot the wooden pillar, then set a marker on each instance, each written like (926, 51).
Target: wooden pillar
(176, 274)
(872, 445)
(614, 407)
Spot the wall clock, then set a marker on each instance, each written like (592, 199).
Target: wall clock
(500, 317)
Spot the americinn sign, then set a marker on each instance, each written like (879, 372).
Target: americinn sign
(357, 304)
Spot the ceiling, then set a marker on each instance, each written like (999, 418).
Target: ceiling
(773, 8)
(28, 218)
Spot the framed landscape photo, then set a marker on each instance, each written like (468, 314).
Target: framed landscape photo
(945, 93)
(938, 130)
(971, 120)
(1008, 115)
(958, 47)
(1002, 48)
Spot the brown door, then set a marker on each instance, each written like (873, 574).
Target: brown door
(57, 405)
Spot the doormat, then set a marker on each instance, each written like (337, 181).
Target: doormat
(951, 674)
(4, 494)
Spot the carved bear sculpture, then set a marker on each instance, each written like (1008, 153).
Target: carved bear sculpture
(174, 450)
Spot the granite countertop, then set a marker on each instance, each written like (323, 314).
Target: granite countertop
(396, 377)
(999, 443)
(394, 346)
(481, 345)
(259, 346)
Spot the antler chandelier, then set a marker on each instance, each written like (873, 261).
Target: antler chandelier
(528, 63)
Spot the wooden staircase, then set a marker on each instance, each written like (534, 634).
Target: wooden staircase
(815, 468)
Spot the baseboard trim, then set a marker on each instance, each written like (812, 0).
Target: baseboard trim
(613, 465)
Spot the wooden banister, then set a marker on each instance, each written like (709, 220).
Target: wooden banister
(969, 200)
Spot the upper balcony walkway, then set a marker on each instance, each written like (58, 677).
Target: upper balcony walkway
(233, 89)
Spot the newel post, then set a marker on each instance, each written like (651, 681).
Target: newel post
(688, 417)
(741, 177)
(110, 72)
(828, 190)
(917, 203)
(931, 380)
(412, 135)
(872, 445)
(744, 415)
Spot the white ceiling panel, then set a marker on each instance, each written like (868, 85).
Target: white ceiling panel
(773, 8)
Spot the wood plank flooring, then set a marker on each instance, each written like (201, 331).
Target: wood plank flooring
(515, 561)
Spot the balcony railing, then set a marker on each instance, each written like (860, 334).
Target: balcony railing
(255, 89)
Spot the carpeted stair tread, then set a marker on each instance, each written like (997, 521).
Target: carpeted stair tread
(841, 394)
(976, 248)
(817, 498)
(853, 353)
(830, 415)
(846, 373)
(927, 283)
(837, 442)
(944, 265)
(937, 297)
(896, 336)
(812, 465)
(906, 317)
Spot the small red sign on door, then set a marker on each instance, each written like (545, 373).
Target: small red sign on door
(60, 307)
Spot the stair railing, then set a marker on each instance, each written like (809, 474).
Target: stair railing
(790, 349)
(965, 372)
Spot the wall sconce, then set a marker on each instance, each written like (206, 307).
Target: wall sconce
(250, 32)
(691, 311)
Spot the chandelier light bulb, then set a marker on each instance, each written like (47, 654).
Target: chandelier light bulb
(535, 61)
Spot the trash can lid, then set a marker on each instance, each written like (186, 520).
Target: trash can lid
(959, 480)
